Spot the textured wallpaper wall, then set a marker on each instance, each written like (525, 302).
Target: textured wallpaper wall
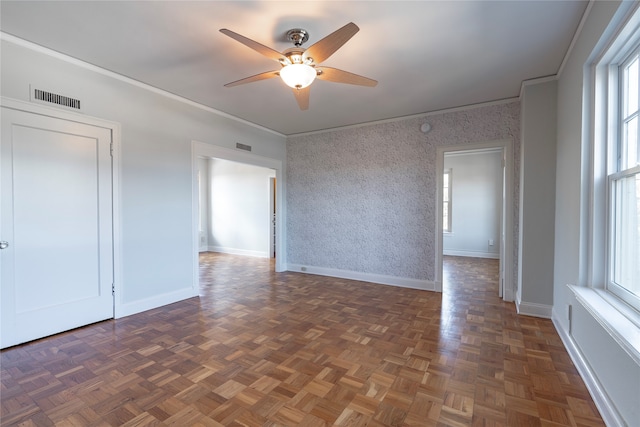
(363, 199)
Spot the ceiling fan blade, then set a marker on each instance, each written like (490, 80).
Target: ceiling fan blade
(257, 77)
(340, 76)
(260, 48)
(302, 96)
(326, 47)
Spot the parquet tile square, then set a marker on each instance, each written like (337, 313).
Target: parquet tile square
(266, 349)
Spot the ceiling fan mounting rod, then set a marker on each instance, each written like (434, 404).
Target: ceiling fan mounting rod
(297, 36)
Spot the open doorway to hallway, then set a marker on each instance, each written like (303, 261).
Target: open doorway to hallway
(472, 214)
(474, 210)
(252, 224)
(236, 208)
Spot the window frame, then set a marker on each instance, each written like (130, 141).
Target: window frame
(606, 163)
(619, 291)
(618, 166)
(623, 116)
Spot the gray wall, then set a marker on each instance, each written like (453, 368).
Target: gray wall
(476, 204)
(363, 199)
(572, 196)
(537, 195)
(156, 168)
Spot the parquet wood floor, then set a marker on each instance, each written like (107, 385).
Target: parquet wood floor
(260, 348)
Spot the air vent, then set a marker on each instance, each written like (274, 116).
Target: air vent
(54, 98)
(243, 147)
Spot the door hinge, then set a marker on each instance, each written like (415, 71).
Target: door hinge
(113, 289)
(111, 148)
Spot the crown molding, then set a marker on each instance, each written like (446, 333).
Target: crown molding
(413, 116)
(87, 66)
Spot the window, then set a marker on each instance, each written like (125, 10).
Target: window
(623, 177)
(609, 284)
(446, 201)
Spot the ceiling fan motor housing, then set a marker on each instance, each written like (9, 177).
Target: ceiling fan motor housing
(295, 55)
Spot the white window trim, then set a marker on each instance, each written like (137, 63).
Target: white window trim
(610, 286)
(624, 46)
(605, 70)
(618, 318)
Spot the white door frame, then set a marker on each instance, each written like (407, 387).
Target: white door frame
(507, 219)
(114, 127)
(273, 196)
(201, 149)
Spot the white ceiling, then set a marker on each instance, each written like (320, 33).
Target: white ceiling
(426, 55)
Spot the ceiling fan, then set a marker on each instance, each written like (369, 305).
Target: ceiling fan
(300, 66)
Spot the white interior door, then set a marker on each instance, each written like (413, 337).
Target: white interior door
(56, 226)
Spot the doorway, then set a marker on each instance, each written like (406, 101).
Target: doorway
(505, 227)
(236, 209)
(203, 150)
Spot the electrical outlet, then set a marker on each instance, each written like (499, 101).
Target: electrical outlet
(490, 242)
(303, 268)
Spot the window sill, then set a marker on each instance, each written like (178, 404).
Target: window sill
(619, 320)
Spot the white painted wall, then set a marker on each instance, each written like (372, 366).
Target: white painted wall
(239, 208)
(537, 197)
(156, 236)
(476, 204)
(611, 374)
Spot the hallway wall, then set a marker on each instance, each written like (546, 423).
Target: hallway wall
(239, 220)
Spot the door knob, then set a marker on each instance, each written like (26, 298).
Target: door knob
(4, 244)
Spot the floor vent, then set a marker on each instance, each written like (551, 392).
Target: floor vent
(54, 98)
(243, 147)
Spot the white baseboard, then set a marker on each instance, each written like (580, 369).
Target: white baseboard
(402, 282)
(606, 407)
(127, 309)
(471, 254)
(234, 251)
(533, 309)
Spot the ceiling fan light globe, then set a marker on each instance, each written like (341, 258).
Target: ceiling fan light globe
(298, 76)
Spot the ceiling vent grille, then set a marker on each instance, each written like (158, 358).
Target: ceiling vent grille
(243, 147)
(54, 98)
